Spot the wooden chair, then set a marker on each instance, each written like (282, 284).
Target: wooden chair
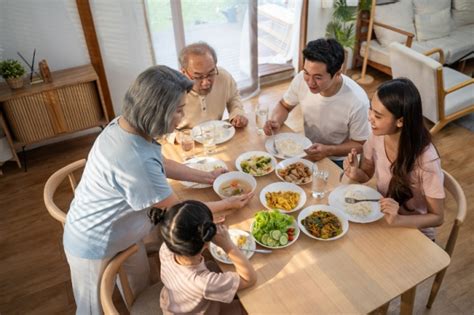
(364, 33)
(147, 302)
(445, 93)
(455, 189)
(52, 185)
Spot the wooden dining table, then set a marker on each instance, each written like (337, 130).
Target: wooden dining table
(366, 268)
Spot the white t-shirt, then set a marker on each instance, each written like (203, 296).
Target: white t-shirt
(334, 119)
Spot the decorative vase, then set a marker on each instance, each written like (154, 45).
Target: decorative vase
(15, 83)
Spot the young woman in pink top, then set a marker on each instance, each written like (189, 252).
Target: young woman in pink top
(400, 154)
(189, 286)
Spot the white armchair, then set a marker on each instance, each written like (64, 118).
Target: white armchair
(446, 94)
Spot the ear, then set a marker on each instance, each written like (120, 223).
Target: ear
(399, 122)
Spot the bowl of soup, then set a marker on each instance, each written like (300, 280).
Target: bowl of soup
(234, 184)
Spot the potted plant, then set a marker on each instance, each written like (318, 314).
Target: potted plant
(342, 27)
(12, 71)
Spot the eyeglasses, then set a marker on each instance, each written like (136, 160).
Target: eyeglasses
(211, 75)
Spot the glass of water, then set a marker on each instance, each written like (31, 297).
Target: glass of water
(187, 143)
(320, 180)
(261, 117)
(208, 133)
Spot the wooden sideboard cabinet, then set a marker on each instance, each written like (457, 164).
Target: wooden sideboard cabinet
(71, 102)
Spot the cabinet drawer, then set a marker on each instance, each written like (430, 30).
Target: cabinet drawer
(80, 106)
(29, 118)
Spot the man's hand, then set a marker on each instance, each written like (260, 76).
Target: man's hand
(317, 151)
(239, 121)
(271, 125)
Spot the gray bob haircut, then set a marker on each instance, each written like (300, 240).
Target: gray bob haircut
(152, 100)
(199, 48)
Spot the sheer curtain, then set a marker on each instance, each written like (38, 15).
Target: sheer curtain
(224, 24)
(278, 30)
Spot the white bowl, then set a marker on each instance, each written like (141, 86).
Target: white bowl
(308, 210)
(221, 179)
(285, 163)
(248, 155)
(283, 186)
(294, 225)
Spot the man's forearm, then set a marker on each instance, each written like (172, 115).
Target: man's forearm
(280, 113)
(344, 148)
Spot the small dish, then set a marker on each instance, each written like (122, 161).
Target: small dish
(236, 235)
(223, 129)
(314, 208)
(283, 187)
(230, 178)
(300, 179)
(254, 169)
(206, 164)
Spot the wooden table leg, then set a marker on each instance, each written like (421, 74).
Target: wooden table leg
(407, 302)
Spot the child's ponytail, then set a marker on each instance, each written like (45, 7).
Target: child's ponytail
(156, 215)
(208, 230)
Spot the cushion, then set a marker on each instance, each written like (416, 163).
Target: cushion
(459, 99)
(433, 25)
(463, 16)
(430, 6)
(399, 15)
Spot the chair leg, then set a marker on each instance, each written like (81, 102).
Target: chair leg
(438, 126)
(435, 288)
(382, 310)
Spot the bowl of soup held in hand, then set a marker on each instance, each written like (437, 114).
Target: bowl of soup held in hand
(234, 184)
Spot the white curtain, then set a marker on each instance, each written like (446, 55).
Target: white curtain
(123, 37)
(279, 31)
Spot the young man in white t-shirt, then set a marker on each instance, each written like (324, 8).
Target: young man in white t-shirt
(335, 108)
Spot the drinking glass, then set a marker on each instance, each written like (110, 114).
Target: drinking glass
(261, 116)
(187, 143)
(208, 133)
(320, 180)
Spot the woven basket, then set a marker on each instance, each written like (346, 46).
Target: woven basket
(15, 83)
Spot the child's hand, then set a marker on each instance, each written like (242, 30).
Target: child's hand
(351, 165)
(390, 208)
(222, 238)
(237, 202)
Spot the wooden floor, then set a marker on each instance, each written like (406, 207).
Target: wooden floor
(34, 275)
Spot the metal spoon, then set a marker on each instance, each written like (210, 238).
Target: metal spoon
(261, 251)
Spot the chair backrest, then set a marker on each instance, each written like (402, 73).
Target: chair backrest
(420, 69)
(52, 185)
(107, 283)
(455, 189)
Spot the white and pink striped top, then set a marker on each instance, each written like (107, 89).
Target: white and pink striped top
(193, 289)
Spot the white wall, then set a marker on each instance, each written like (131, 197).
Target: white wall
(318, 18)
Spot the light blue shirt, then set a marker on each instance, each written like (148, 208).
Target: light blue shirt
(123, 177)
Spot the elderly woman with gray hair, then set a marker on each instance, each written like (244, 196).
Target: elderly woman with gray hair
(124, 177)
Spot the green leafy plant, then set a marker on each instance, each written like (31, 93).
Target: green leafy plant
(341, 27)
(10, 69)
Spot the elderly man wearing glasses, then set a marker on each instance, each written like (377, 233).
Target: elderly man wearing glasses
(214, 88)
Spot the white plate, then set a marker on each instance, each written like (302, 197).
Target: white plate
(248, 155)
(283, 164)
(337, 196)
(294, 225)
(219, 254)
(297, 138)
(283, 186)
(206, 164)
(308, 210)
(222, 134)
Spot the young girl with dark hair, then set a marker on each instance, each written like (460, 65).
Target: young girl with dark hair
(400, 154)
(189, 286)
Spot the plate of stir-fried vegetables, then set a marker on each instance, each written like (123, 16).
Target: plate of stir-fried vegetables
(322, 222)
